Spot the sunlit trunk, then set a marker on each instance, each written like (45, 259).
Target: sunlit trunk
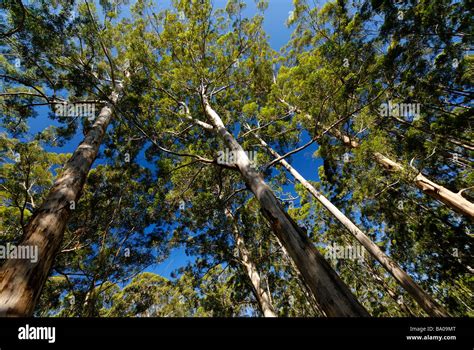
(333, 295)
(263, 298)
(453, 200)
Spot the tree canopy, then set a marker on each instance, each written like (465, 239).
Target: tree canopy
(132, 130)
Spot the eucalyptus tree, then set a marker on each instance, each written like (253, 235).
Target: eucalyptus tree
(345, 45)
(336, 79)
(212, 61)
(112, 236)
(210, 229)
(150, 295)
(60, 54)
(428, 63)
(203, 200)
(425, 300)
(109, 238)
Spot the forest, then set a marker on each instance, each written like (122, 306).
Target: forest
(168, 158)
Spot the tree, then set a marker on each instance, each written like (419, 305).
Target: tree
(193, 83)
(22, 281)
(153, 296)
(200, 125)
(425, 301)
(342, 97)
(25, 176)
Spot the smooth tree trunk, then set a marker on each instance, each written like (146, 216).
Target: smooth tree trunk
(87, 307)
(21, 281)
(424, 300)
(263, 298)
(453, 200)
(332, 294)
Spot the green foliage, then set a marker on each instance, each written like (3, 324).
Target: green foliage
(157, 184)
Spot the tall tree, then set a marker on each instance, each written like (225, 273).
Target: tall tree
(426, 302)
(359, 67)
(22, 281)
(191, 75)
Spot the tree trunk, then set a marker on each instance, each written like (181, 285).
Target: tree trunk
(333, 296)
(21, 281)
(424, 300)
(453, 200)
(88, 306)
(263, 298)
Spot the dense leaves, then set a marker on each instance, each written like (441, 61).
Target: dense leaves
(159, 184)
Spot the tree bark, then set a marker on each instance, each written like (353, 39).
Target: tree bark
(263, 298)
(453, 200)
(21, 281)
(424, 300)
(333, 296)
